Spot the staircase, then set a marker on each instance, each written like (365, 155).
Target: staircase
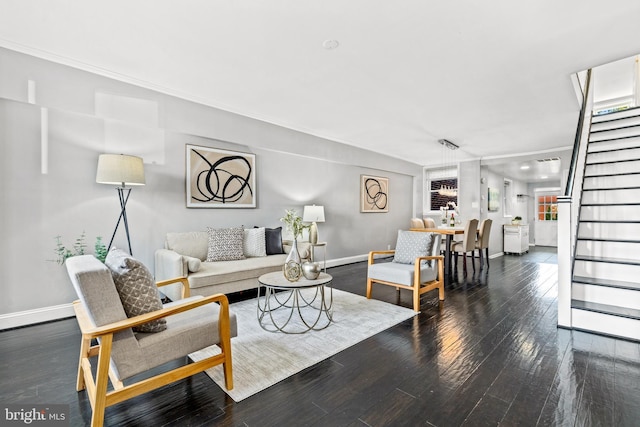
(605, 293)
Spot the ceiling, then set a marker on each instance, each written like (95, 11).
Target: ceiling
(391, 77)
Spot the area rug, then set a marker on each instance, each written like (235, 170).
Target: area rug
(262, 359)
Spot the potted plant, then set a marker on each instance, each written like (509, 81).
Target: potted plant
(516, 220)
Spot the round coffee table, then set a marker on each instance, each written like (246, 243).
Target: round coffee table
(304, 301)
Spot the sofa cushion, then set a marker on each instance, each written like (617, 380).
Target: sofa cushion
(225, 244)
(273, 238)
(136, 287)
(254, 244)
(216, 273)
(412, 244)
(193, 243)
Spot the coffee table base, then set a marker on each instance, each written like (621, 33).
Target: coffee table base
(281, 305)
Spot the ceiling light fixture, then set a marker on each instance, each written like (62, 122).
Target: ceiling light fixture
(450, 145)
(525, 167)
(330, 44)
(446, 190)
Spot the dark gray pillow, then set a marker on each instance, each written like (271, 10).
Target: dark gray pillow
(412, 244)
(274, 241)
(136, 287)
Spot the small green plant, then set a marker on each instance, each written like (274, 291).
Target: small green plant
(517, 218)
(100, 249)
(294, 223)
(79, 248)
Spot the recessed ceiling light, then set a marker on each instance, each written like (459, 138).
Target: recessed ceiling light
(544, 177)
(525, 167)
(330, 44)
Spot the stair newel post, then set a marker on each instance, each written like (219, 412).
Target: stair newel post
(565, 263)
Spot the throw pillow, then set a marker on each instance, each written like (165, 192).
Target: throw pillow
(136, 287)
(412, 244)
(254, 244)
(273, 237)
(193, 264)
(225, 244)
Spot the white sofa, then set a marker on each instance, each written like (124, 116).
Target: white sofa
(185, 254)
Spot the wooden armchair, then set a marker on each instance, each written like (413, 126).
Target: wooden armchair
(191, 325)
(416, 266)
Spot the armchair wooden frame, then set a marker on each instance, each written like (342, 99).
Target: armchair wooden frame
(417, 287)
(99, 396)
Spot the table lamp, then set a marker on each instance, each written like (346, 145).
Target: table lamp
(313, 214)
(121, 170)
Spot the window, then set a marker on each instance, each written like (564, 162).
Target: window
(507, 198)
(441, 188)
(547, 208)
(440, 198)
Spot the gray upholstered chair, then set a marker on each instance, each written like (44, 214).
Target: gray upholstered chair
(482, 243)
(467, 244)
(416, 265)
(192, 324)
(416, 223)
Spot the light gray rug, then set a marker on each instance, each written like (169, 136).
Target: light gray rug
(262, 359)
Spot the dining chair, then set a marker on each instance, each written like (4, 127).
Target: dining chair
(467, 244)
(416, 223)
(429, 223)
(482, 243)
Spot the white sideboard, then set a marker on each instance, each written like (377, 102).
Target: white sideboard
(516, 239)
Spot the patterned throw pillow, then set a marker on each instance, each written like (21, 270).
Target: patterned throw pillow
(254, 244)
(225, 244)
(412, 244)
(136, 287)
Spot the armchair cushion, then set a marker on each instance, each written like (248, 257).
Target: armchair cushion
(225, 244)
(136, 287)
(400, 273)
(413, 244)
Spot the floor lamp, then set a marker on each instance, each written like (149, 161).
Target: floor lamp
(121, 170)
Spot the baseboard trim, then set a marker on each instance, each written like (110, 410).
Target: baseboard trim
(347, 260)
(39, 315)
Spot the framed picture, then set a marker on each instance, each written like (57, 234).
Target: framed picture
(493, 199)
(374, 194)
(220, 178)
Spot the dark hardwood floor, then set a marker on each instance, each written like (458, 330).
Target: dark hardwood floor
(490, 354)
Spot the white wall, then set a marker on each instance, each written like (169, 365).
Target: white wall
(293, 169)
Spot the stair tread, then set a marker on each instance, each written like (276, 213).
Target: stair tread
(635, 187)
(609, 117)
(613, 310)
(611, 221)
(612, 204)
(595, 239)
(607, 259)
(616, 128)
(612, 139)
(606, 282)
(608, 162)
(612, 174)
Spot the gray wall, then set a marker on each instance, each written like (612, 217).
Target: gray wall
(293, 169)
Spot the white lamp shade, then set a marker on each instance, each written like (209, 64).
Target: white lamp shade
(120, 169)
(313, 214)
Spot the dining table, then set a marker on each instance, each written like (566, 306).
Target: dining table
(449, 232)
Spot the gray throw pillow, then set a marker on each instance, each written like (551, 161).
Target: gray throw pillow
(273, 238)
(412, 244)
(136, 287)
(225, 244)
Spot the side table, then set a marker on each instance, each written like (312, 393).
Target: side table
(323, 245)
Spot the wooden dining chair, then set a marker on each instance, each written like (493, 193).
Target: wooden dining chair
(416, 223)
(482, 243)
(467, 244)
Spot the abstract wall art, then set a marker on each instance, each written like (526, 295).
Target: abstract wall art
(220, 178)
(374, 194)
